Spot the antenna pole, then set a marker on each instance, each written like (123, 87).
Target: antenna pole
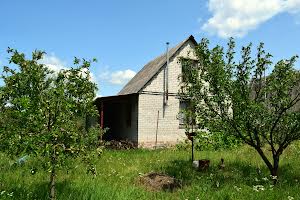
(167, 73)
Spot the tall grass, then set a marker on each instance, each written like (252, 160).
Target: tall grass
(118, 173)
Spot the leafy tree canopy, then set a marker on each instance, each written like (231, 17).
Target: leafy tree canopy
(43, 113)
(238, 99)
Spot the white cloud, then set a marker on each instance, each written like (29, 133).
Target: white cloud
(53, 62)
(119, 77)
(122, 77)
(293, 6)
(56, 64)
(236, 17)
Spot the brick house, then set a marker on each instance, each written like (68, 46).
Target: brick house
(146, 110)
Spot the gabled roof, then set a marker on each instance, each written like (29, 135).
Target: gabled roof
(151, 69)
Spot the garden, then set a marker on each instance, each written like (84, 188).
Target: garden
(118, 176)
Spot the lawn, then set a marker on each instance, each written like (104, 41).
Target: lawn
(119, 171)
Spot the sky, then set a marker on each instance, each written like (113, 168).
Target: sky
(125, 35)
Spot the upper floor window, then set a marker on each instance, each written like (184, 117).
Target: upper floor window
(189, 70)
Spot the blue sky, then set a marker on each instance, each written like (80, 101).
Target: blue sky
(125, 35)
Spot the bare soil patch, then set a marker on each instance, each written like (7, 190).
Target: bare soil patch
(154, 181)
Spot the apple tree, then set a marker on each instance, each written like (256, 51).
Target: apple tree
(42, 112)
(236, 97)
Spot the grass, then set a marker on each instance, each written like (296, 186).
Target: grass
(118, 172)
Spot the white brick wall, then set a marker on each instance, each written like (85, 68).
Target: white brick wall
(156, 84)
(149, 104)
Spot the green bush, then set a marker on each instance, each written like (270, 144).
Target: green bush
(205, 140)
(214, 141)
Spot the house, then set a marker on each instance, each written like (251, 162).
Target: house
(146, 110)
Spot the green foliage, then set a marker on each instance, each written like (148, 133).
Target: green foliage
(238, 99)
(118, 174)
(208, 141)
(44, 113)
(217, 141)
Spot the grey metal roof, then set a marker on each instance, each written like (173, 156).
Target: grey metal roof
(151, 69)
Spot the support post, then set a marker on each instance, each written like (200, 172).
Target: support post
(156, 129)
(101, 116)
(192, 148)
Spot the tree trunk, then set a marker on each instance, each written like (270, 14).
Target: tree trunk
(52, 184)
(273, 168)
(52, 191)
(274, 171)
(265, 159)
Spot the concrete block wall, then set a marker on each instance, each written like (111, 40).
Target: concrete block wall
(156, 84)
(168, 131)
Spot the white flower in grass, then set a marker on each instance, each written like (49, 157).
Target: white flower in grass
(2, 192)
(257, 188)
(290, 198)
(237, 188)
(10, 194)
(273, 177)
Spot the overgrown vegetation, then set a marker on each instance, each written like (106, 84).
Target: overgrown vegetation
(43, 132)
(205, 140)
(43, 113)
(217, 141)
(236, 98)
(245, 176)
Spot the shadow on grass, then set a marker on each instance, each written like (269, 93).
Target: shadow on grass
(235, 173)
(41, 191)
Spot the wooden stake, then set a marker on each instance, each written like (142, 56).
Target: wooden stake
(156, 128)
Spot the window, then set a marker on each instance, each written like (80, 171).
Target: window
(181, 116)
(189, 69)
(186, 114)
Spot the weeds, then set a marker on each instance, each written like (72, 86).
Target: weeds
(244, 177)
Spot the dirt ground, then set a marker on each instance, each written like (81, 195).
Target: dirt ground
(154, 181)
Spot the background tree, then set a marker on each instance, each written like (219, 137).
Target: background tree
(238, 99)
(43, 113)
